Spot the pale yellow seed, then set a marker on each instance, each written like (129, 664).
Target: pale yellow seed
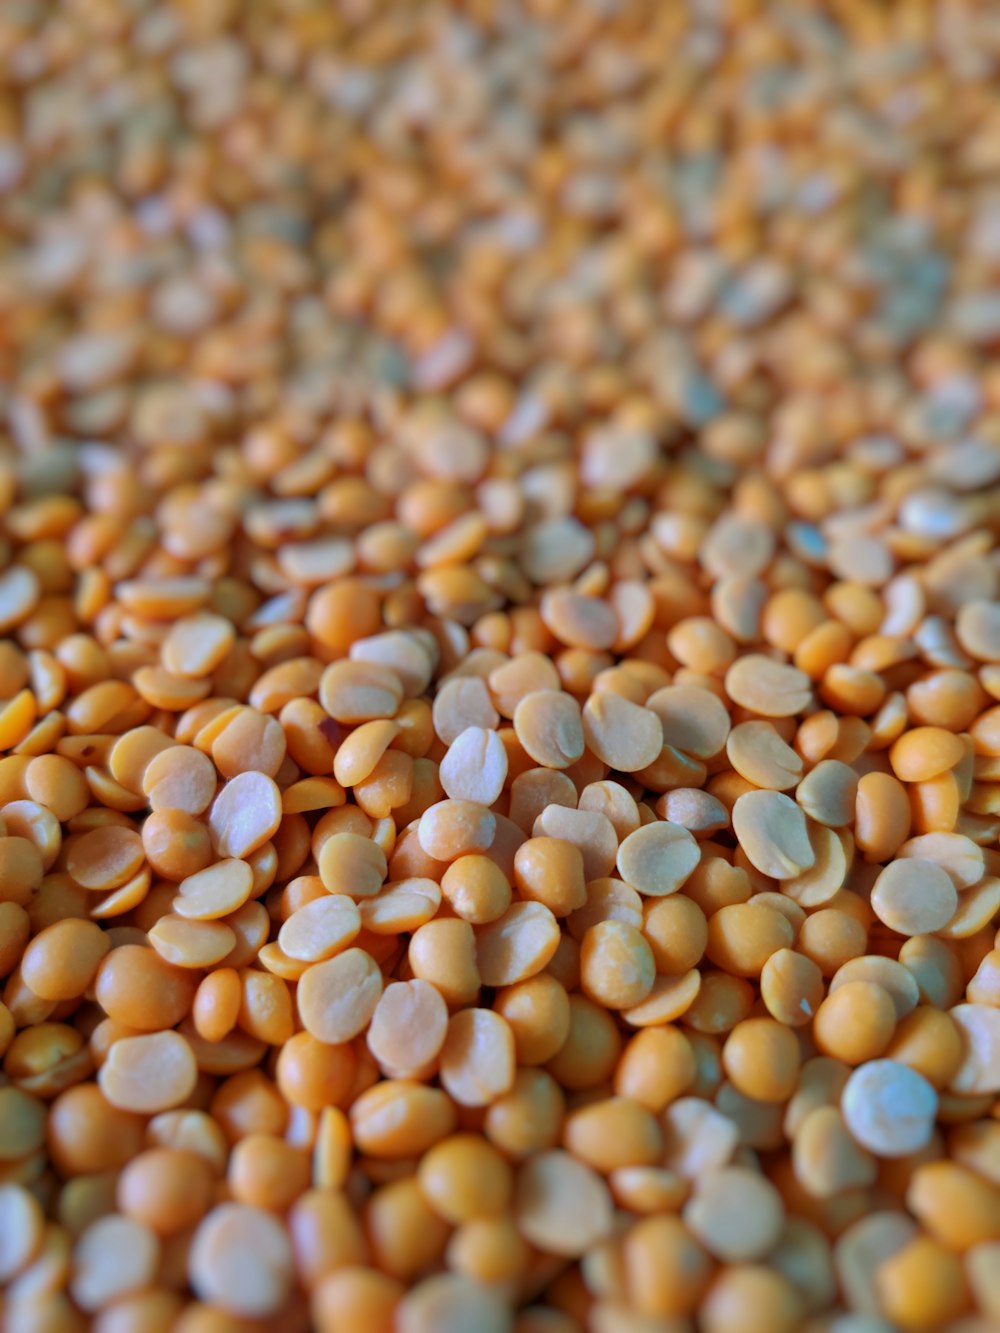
(561, 1205)
(320, 929)
(914, 897)
(959, 857)
(354, 692)
(477, 1058)
(772, 831)
(362, 749)
(180, 778)
(517, 945)
(826, 876)
(693, 720)
(22, 1225)
(770, 688)
(114, 1256)
(475, 767)
(657, 858)
(241, 1261)
(191, 943)
(889, 1108)
(759, 754)
(148, 1074)
(215, 891)
(828, 792)
(736, 1213)
(979, 1072)
(351, 864)
(245, 814)
(197, 644)
(620, 733)
(401, 907)
(549, 726)
(337, 998)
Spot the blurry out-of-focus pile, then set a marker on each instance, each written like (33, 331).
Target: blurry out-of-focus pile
(500, 773)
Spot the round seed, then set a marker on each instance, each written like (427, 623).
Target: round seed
(337, 998)
(549, 726)
(914, 897)
(657, 858)
(889, 1108)
(772, 831)
(475, 767)
(148, 1074)
(241, 1260)
(246, 812)
(215, 891)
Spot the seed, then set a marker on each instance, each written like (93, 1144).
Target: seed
(694, 720)
(735, 1213)
(246, 812)
(337, 998)
(214, 892)
(550, 728)
(241, 1260)
(889, 1108)
(914, 897)
(148, 1074)
(561, 1205)
(623, 735)
(477, 1059)
(21, 1228)
(980, 1029)
(475, 767)
(765, 686)
(517, 945)
(657, 858)
(772, 831)
(320, 929)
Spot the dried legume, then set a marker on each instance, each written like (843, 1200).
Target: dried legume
(499, 724)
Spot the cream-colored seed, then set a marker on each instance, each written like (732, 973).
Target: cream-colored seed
(622, 734)
(561, 1205)
(215, 891)
(758, 753)
(550, 728)
(735, 1213)
(246, 812)
(772, 831)
(149, 1074)
(477, 1058)
(889, 1108)
(241, 1261)
(914, 897)
(517, 945)
(658, 858)
(114, 1256)
(320, 929)
(21, 1229)
(197, 644)
(979, 1072)
(475, 767)
(765, 686)
(337, 998)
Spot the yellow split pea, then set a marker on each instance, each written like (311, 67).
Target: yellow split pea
(499, 669)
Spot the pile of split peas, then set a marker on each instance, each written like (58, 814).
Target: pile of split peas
(499, 666)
